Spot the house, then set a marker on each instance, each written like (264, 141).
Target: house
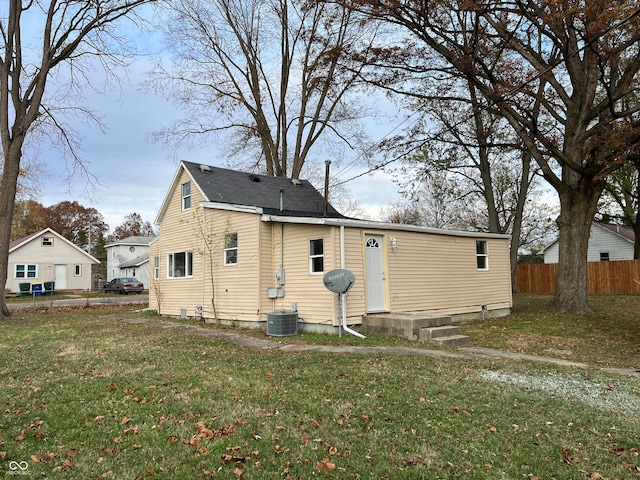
(47, 256)
(606, 242)
(269, 242)
(129, 257)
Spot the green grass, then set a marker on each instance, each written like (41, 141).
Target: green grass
(85, 396)
(610, 337)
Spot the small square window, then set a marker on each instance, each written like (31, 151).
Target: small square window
(47, 241)
(231, 249)
(316, 255)
(604, 256)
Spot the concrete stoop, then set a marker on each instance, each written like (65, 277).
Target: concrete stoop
(437, 330)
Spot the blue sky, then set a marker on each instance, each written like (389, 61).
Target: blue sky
(135, 173)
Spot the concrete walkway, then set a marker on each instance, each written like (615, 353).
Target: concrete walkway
(267, 344)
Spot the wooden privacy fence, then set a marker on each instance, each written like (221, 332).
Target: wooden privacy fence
(619, 277)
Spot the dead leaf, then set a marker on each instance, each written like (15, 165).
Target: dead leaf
(238, 472)
(493, 429)
(112, 387)
(67, 463)
(325, 465)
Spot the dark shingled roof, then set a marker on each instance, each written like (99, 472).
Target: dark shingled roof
(221, 185)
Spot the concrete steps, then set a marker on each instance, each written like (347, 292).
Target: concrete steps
(436, 330)
(447, 335)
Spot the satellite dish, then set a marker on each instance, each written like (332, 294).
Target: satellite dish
(339, 281)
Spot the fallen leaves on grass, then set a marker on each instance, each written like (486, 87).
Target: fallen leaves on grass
(325, 465)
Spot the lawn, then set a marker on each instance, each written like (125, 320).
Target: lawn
(610, 337)
(86, 396)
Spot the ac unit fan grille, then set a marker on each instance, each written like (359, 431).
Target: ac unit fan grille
(282, 324)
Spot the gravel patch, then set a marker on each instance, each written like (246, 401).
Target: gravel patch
(614, 395)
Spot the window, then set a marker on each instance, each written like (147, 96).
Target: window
(186, 196)
(156, 268)
(482, 257)
(77, 270)
(180, 264)
(230, 248)
(47, 241)
(26, 271)
(316, 256)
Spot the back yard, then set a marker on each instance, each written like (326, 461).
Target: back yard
(85, 396)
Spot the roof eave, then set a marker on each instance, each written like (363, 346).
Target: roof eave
(350, 222)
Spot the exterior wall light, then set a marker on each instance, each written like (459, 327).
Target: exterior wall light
(394, 244)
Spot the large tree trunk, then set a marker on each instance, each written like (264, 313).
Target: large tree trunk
(8, 185)
(577, 208)
(516, 231)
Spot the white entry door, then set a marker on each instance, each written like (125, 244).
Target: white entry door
(60, 277)
(376, 281)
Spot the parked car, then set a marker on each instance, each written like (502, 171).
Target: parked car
(124, 285)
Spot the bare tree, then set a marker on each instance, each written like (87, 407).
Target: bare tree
(39, 38)
(270, 78)
(559, 73)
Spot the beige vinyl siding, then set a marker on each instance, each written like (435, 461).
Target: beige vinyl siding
(314, 302)
(177, 234)
(439, 273)
(183, 230)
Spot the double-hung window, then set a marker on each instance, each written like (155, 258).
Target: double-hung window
(482, 256)
(231, 248)
(26, 271)
(316, 255)
(180, 264)
(186, 196)
(156, 268)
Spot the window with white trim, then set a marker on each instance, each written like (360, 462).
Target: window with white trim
(77, 270)
(231, 248)
(26, 271)
(316, 255)
(180, 264)
(482, 256)
(156, 268)
(47, 241)
(186, 196)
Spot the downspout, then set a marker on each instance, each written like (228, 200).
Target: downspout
(280, 273)
(344, 295)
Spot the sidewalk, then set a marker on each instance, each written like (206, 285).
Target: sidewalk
(462, 352)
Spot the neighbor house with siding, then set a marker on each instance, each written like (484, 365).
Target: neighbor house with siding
(606, 242)
(257, 244)
(129, 257)
(47, 256)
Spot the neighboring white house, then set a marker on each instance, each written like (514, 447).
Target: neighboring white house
(129, 257)
(606, 242)
(45, 257)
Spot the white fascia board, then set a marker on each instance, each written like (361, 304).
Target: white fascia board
(231, 207)
(368, 224)
(172, 186)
